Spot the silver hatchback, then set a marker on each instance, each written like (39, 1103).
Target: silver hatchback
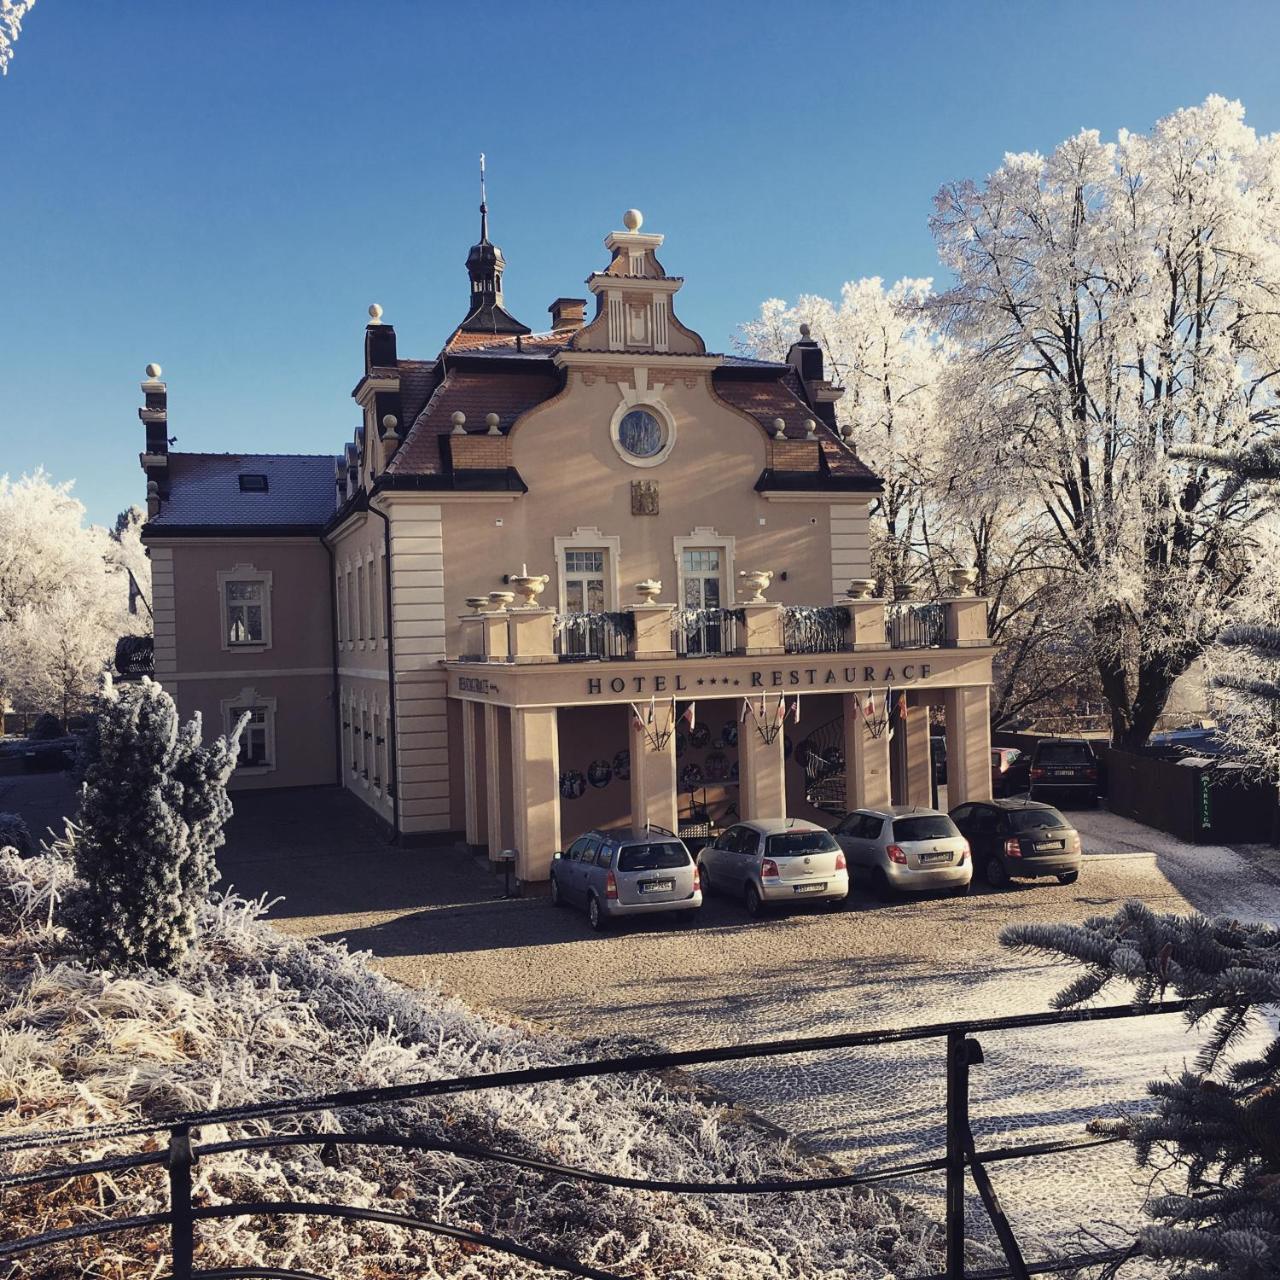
(770, 862)
(906, 848)
(626, 873)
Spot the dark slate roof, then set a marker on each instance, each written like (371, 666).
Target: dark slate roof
(204, 491)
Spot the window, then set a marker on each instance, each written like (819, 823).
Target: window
(584, 580)
(640, 434)
(652, 857)
(253, 483)
(793, 844)
(245, 593)
(930, 828)
(362, 609)
(340, 593)
(850, 825)
(257, 751)
(381, 593)
(351, 609)
(604, 856)
(643, 435)
(701, 575)
(1034, 819)
(377, 752)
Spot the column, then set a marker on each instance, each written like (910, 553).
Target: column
(653, 774)
(762, 791)
(968, 744)
(474, 772)
(497, 750)
(918, 774)
(866, 759)
(535, 790)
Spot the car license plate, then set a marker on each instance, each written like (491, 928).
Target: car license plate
(811, 887)
(930, 858)
(657, 886)
(1061, 773)
(1049, 844)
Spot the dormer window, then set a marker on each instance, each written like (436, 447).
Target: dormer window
(252, 482)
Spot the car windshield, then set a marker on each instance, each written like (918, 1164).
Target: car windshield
(1063, 753)
(653, 857)
(1030, 819)
(935, 826)
(794, 843)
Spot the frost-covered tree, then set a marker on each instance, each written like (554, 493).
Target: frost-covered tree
(1219, 1123)
(152, 808)
(15, 834)
(11, 14)
(1114, 301)
(64, 594)
(126, 551)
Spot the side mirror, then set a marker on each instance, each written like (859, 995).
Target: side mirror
(558, 854)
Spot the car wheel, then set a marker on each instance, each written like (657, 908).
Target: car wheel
(595, 916)
(705, 880)
(1069, 877)
(687, 917)
(996, 875)
(884, 886)
(754, 905)
(961, 890)
(556, 899)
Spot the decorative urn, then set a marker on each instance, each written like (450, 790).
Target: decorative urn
(649, 590)
(755, 581)
(477, 603)
(962, 579)
(501, 599)
(861, 588)
(529, 586)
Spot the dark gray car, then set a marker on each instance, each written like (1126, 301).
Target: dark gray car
(626, 873)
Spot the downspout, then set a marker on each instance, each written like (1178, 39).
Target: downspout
(333, 650)
(391, 673)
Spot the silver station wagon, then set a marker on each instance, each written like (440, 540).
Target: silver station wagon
(906, 848)
(626, 873)
(766, 863)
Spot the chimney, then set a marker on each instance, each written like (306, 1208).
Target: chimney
(379, 342)
(155, 457)
(568, 313)
(805, 357)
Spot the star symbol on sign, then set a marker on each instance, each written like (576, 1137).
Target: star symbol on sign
(699, 679)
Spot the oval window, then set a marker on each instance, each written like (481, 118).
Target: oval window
(640, 434)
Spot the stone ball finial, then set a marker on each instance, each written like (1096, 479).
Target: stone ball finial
(633, 219)
(810, 429)
(491, 421)
(154, 371)
(804, 332)
(779, 429)
(459, 420)
(153, 489)
(375, 313)
(390, 422)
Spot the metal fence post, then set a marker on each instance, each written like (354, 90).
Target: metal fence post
(957, 1135)
(181, 1222)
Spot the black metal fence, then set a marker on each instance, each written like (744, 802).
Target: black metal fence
(705, 633)
(915, 626)
(592, 637)
(823, 629)
(960, 1159)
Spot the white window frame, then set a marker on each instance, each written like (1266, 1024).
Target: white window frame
(590, 539)
(705, 538)
(244, 573)
(387, 780)
(249, 699)
(651, 403)
(362, 605)
(381, 562)
(340, 603)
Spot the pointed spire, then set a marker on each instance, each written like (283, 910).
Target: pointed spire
(485, 265)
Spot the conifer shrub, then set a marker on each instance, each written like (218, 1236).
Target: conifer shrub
(15, 835)
(1216, 1126)
(46, 728)
(149, 825)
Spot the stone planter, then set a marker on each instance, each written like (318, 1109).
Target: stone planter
(529, 587)
(477, 603)
(649, 590)
(501, 599)
(861, 588)
(755, 581)
(963, 579)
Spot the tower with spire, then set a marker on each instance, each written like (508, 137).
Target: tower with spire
(485, 265)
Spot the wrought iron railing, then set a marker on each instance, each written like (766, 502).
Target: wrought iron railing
(815, 628)
(592, 637)
(704, 633)
(960, 1159)
(915, 626)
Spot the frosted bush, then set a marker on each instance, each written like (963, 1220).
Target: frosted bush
(15, 835)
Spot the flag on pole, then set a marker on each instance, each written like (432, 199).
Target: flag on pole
(746, 706)
(795, 714)
(690, 714)
(652, 698)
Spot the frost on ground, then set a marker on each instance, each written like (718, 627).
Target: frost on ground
(253, 1015)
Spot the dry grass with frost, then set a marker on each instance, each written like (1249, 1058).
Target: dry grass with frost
(254, 1015)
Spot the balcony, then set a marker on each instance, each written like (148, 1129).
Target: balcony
(499, 631)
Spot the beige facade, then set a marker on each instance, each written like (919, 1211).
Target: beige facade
(525, 601)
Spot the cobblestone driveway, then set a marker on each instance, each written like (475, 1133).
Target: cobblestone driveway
(431, 917)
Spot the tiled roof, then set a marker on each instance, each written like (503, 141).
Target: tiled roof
(204, 491)
(477, 393)
(540, 343)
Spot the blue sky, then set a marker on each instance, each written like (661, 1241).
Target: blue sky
(225, 187)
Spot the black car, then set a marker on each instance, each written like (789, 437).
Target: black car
(1019, 838)
(1066, 769)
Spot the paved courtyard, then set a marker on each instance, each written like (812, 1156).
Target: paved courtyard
(433, 917)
